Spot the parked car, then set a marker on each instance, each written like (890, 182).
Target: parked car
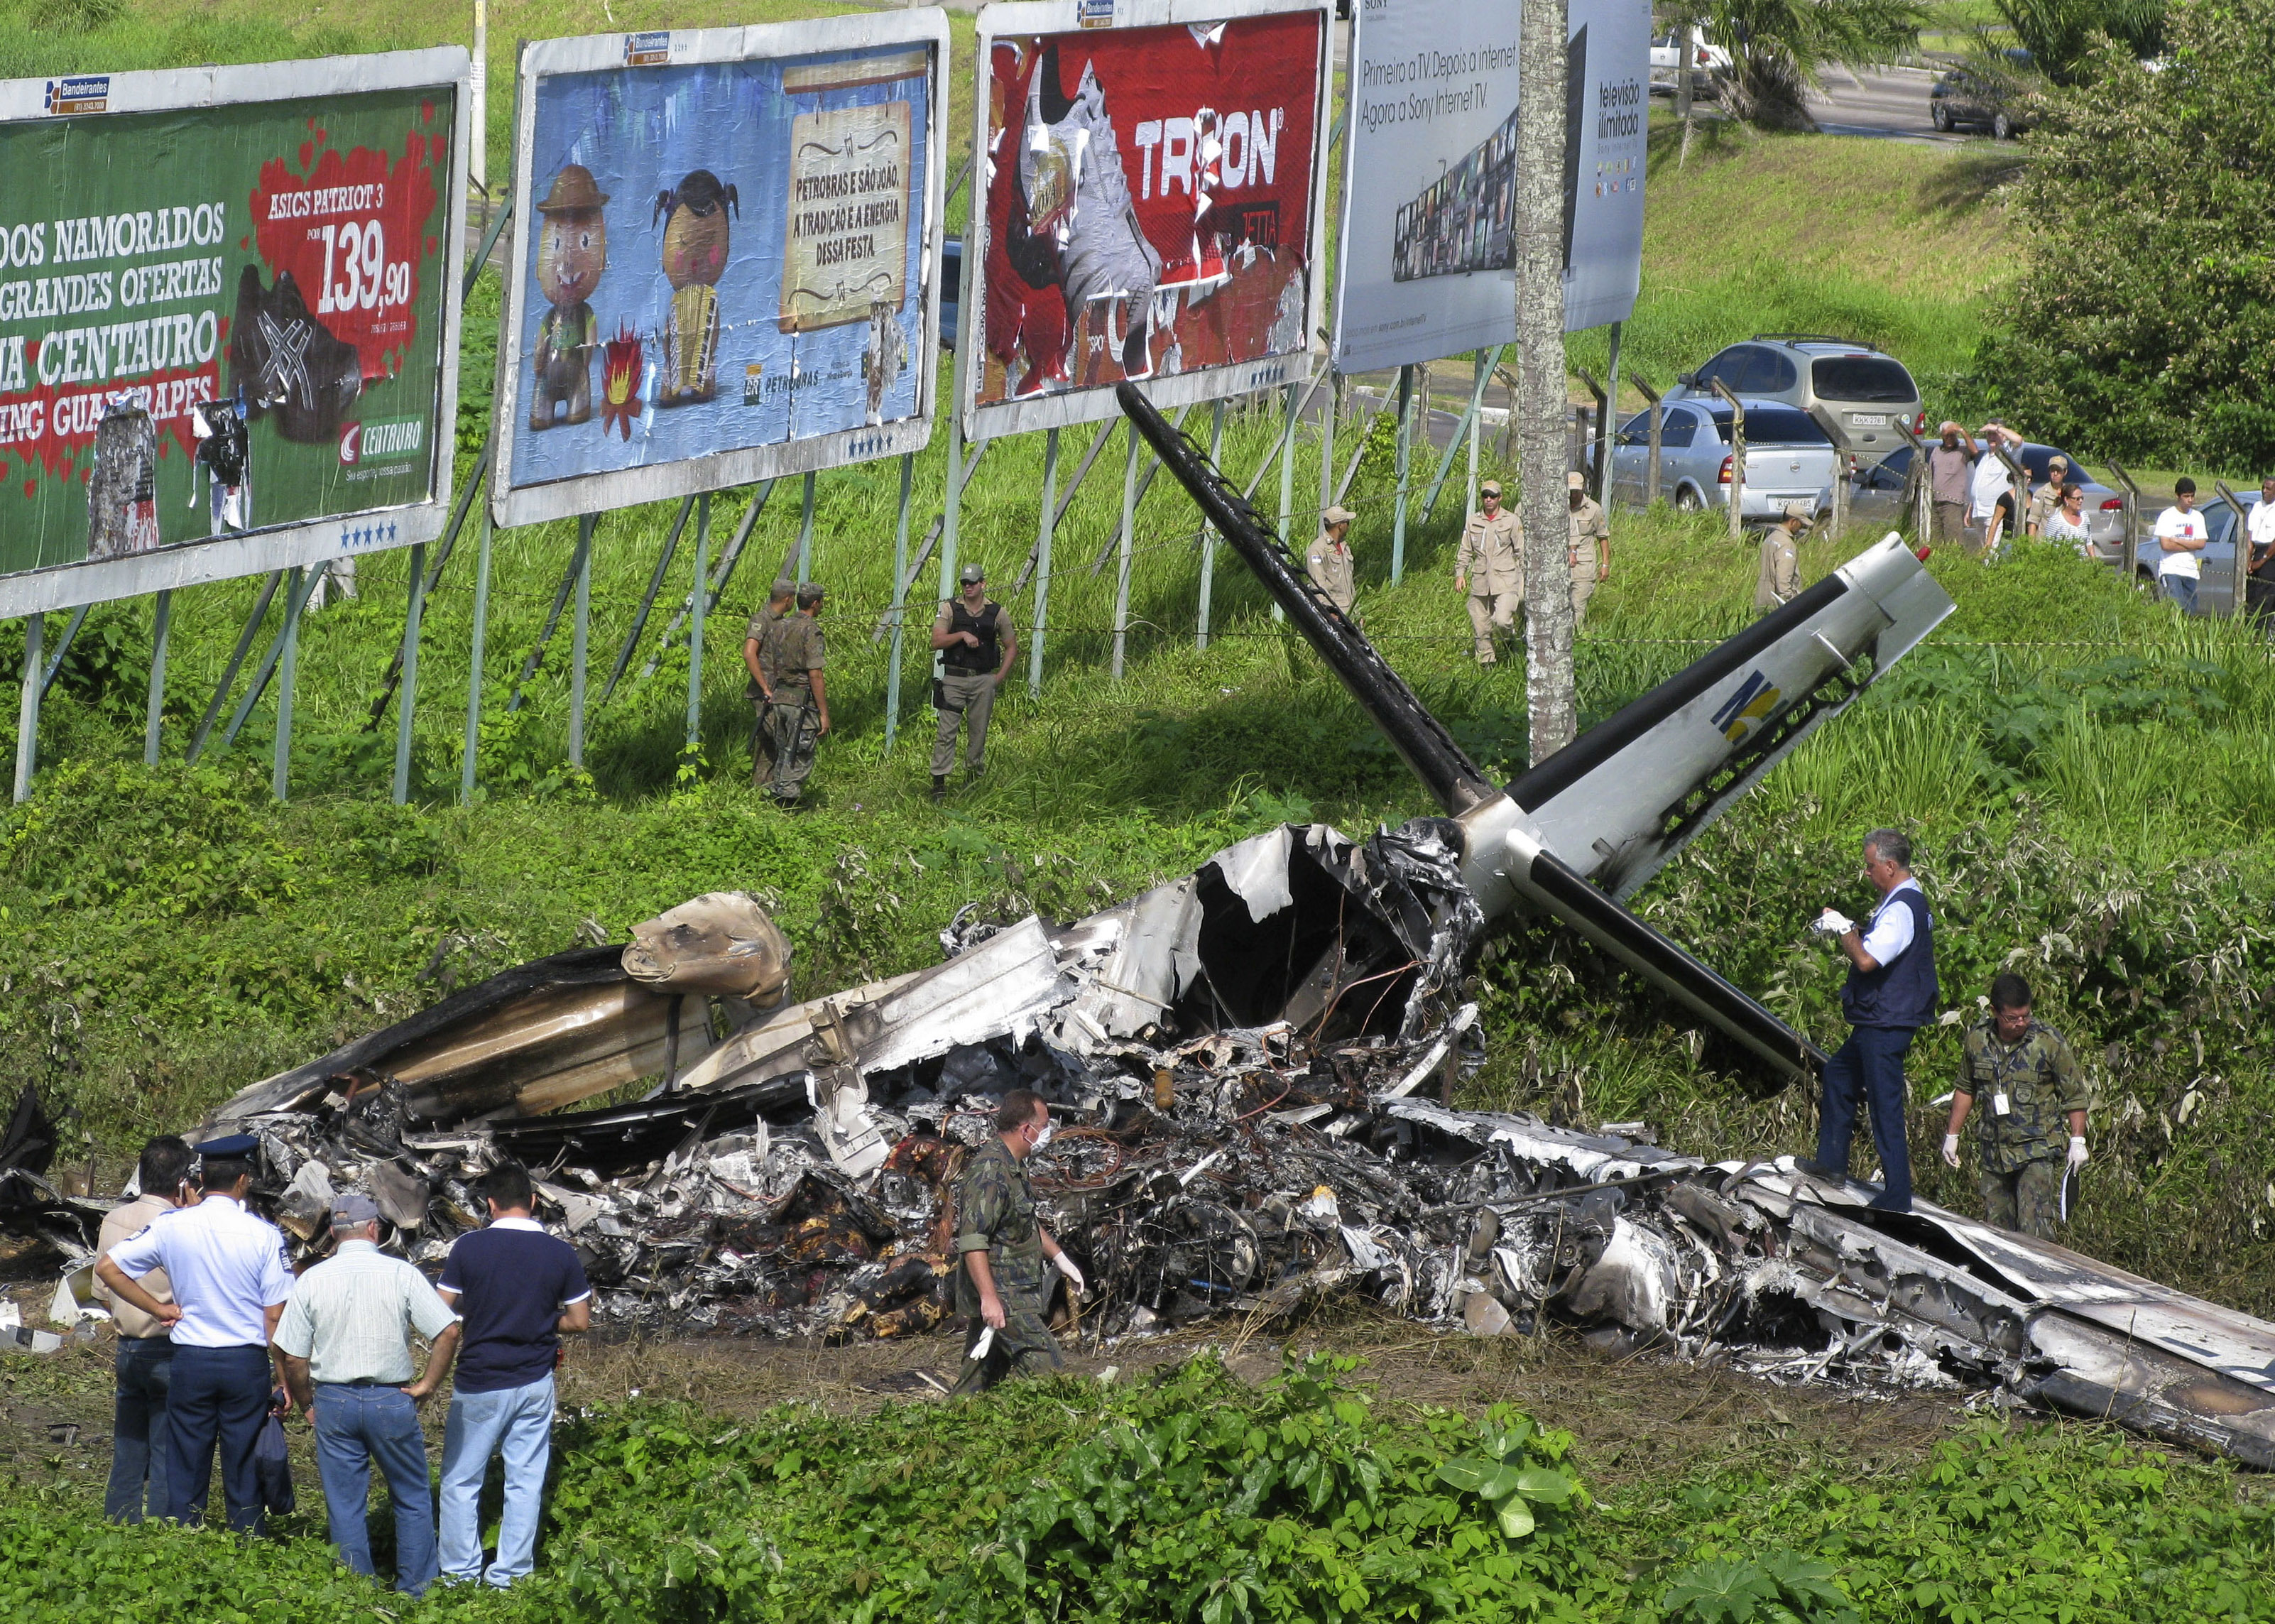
(1876, 493)
(1858, 393)
(1963, 99)
(2216, 564)
(1666, 60)
(1789, 458)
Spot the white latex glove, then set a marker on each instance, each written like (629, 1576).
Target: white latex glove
(2077, 1157)
(1832, 924)
(1951, 1150)
(1065, 1265)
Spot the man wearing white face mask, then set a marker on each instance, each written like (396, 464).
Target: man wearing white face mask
(1004, 1285)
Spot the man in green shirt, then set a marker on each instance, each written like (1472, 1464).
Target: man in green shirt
(1005, 1282)
(2029, 1082)
(792, 657)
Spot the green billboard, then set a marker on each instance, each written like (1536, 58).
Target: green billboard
(227, 324)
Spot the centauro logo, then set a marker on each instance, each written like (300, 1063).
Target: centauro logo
(387, 437)
(1757, 697)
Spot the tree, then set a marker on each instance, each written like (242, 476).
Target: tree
(1777, 47)
(2062, 36)
(2143, 324)
(1541, 384)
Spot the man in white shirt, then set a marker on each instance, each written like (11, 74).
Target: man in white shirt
(2180, 535)
(1993, 487)
(2259, 589)
(230, 1278)
(345, 1337)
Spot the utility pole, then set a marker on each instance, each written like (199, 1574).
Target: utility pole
(1541, 385)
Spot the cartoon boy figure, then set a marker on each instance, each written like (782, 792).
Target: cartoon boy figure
(572, 250)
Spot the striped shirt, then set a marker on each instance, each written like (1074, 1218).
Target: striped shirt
(351, 1318)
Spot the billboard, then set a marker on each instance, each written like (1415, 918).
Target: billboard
(1428, 252)
(228, 323)
(724, 259)
(1152, 179)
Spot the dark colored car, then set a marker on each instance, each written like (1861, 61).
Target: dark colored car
(1963, 99)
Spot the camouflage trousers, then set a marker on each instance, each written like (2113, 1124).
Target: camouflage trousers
(789, 734)
(1023, 1346)
(2029, 1199)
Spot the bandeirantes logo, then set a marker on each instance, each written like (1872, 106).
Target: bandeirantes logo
(1742, 711)
(385, 437)
(89, 93)
(647, 51)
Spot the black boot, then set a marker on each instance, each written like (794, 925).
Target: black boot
(939, 788)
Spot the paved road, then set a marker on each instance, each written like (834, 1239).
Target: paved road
(1887, 105)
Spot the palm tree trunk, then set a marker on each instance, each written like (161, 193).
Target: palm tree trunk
(1541, 385)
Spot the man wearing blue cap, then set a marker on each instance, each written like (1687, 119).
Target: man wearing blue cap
(230, 1279)
(345, 1338)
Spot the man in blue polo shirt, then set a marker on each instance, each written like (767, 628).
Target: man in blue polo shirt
(515, 1289)
(1889, 995)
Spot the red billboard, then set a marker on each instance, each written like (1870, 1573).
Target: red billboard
(1151, 197)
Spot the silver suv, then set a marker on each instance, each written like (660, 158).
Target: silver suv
(1859, 393)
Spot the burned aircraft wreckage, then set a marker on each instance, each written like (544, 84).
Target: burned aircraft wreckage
(1248, 1066)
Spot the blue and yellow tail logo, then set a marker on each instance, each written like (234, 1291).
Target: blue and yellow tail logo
(1757, 697)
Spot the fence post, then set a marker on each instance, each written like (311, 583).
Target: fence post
(27, 708)
(1042, 562)
(1209, 532)
(1918, 495)
(2239, 568)
(1595, 457)
(288, 666)
(1612, 395)
(1737, 461)
(474, 656)
(1656, 415)
(1405, 460)
(898, 612)
(1122, 568)
(153, 716)
(407, 702)
(579, 633)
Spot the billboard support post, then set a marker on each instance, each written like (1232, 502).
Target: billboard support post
(579, 635)
(27, 709)
(1042, 559)
(236, 659)
(407, 705)
(899, 610)
(1612, 406)
(1446, 463)
(951, 514)
(647, 604)
(1121, 565)
(1477, 421)
(474, 658)
(1209, 532)
(1297, 399)
(302, 582)
(1405, 465)
(698, 600)
(154, 718)
(806, 532)
(1328, 416)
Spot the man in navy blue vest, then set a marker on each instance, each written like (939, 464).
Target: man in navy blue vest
(1890, 994)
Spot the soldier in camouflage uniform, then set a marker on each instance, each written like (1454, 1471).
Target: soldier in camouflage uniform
(2029, 1082)
(758, 639)
(1004, 1285)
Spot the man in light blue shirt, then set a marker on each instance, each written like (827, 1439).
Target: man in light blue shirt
(230, 1279)
(345, 1339)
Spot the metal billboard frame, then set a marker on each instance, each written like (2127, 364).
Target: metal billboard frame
(310, 542)
(623, 487)
(1001, 19)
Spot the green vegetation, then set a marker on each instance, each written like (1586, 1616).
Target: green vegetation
(1193, 1496)
(2142, 324)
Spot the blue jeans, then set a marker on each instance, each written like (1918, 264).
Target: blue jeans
(2181, 589)
(355, 1428)
(1869, 1068)
(138, 1429)
(219, 1395)
(514, 1421)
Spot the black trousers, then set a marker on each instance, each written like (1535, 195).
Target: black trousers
(220, 1398)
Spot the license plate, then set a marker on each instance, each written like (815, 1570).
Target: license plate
(1869, 419)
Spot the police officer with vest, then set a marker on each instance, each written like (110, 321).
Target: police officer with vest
(2028, 1081)
(1889, 995)
(230, 1278)
(977, 646)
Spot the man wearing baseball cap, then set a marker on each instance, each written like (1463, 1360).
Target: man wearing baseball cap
(345, 1338)
(1489, 571)
(977, 646)
(1778, 582)
(1590, 557)
(1328, 563)
(230, 1278)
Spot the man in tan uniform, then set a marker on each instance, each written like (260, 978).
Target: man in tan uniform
(1490, 568)
(1329, 562)
(2047, 497)
(1779, 580)
(139, 1446)
(797, 712)
(1592, 546)
(760, 691)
